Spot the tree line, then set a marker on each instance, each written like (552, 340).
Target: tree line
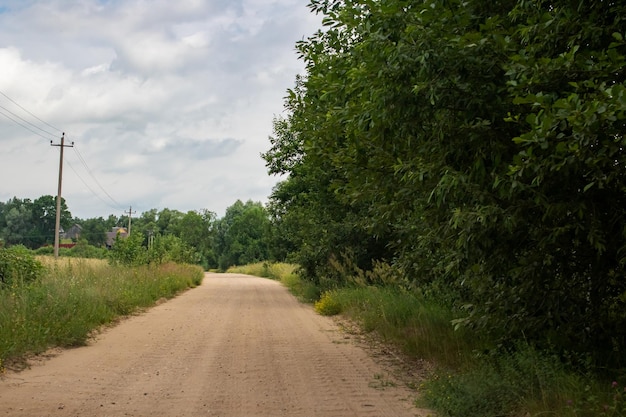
(241, 236)
(474, 147)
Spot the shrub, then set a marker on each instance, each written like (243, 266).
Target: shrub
(84, 250)
(129, 251)
(507, 383)
(18, 265)
(328, 305)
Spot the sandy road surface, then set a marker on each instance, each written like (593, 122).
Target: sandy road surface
(235, 346)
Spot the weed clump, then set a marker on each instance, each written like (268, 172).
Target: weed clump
(18, 266)
(328, 305)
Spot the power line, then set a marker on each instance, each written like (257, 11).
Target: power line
(15, 118)
(24, 126)
(42, 121)
(82, 160)
(89, 188)
(26, 121)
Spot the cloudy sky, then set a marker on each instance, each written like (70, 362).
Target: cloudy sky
(169, 103)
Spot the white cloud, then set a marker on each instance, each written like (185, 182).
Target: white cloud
(169, 103)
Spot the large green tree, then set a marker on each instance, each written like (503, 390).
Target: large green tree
(44, 211)
(473, 144)
(32, 223)
(195, 229)
(241, 236)
(16, 226)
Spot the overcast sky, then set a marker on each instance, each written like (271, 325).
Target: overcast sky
(169, 103)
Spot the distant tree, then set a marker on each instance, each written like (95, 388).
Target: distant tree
(94, 231)
(3, 212)
(18, 227)
(167, 220)
(241, 236)
(112, 221)
(196, 230)
(170, 248)
(44, 219)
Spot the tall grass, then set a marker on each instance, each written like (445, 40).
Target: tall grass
(473, 376)
(273, 270)
(285, 273)
(419, 326)
(76, 296)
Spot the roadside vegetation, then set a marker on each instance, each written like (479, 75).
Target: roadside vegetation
(286, 273)
(47, 303)
(453, 177)
(470, 377)
(455, 171)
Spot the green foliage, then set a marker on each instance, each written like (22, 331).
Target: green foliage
(522, 381)
(272, 270)
(418, 325)
(94, 231)
(327, 305)
(31, 223)
(83, 249)
(195, 229)
(496, 387)
(478, 147)
(75, 297)
(169, 248)
(18, 267)
(304, 290)
(241, 236)
(469, 378)
(129, 251)
(610, 401)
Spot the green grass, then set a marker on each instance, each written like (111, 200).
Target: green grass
(420, 327)
(75, 297)
(283, 272)
(473, 376)
(522, 382)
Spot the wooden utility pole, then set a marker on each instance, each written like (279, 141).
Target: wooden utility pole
(130, 215)
(57, 227)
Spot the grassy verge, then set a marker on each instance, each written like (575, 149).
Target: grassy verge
(472, 377)
(421, 328)
(76, 296)
(475, 377)
(286, 274)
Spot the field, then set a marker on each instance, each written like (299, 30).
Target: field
(74, 297)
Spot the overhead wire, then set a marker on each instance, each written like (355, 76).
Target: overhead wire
(18, 105)
(30, 126)
(26, 121)
(89, 188)
(84, 163)
(23, 125)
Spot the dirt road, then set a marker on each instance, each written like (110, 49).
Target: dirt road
(235, 346)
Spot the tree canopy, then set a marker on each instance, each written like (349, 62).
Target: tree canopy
(31, 223)
(476, 146)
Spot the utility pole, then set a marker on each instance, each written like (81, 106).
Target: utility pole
(57, 227)
(130, 213)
